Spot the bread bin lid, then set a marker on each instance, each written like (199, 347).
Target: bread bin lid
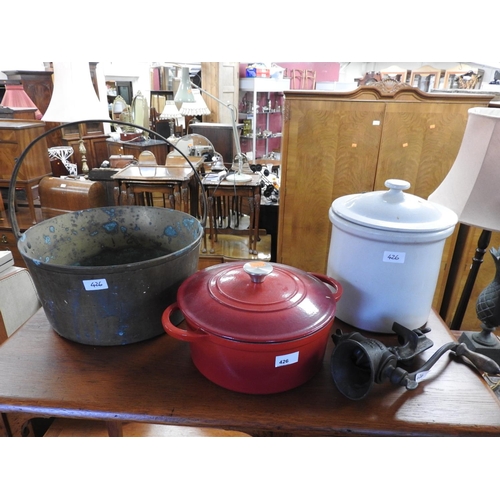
(256, 302)
(394, 210)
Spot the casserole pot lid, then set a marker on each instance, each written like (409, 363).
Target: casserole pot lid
(256, 302)
(394, 210)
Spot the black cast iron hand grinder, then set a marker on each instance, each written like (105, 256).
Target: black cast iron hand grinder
(358, 362)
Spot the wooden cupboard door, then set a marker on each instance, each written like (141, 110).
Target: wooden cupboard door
(36, 163)
(8, 154)
(15, 136)
(419, 144)
(330, 150)
(96, 151)
(100, 150)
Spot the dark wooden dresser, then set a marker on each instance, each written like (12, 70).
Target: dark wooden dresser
(15, 136)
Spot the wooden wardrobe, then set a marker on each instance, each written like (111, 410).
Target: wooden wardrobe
(335, 144)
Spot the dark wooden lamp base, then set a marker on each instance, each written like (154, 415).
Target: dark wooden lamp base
(483, 342)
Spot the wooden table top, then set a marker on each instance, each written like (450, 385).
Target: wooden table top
(175, 169)
(156, 381)
(253, 183)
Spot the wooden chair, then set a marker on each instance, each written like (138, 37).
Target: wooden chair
(453, 73)
(296, 79)
(429, 74)
(309, 79)
(394, 72)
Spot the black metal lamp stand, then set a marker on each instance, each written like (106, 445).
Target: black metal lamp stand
(488, 312)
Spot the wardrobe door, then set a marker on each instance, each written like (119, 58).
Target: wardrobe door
(420, 142)
(330, 149)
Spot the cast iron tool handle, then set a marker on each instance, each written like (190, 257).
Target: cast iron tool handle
(481, 362)
(411, 380)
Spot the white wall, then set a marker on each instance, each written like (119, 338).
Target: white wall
(24, 66)
(349, 71)
(136, 72)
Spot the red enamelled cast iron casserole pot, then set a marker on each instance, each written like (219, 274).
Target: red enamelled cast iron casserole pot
(254, 327)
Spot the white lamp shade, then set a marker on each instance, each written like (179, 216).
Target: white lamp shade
(170, 111)
(472, 187)
(73, 98)
(184, 92)
(198, 107)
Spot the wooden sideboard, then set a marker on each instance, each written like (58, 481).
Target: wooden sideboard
(8, 240)
(15, 136)
(336, 144)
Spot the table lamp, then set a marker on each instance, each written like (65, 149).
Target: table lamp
(240, 159)
(472, 190)
(196, 108)
(74, 99)
(16, 97)
(171, 113)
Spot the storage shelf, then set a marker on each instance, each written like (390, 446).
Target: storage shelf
(273, 136)
(266, 119)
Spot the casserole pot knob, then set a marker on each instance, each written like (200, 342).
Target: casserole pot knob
(258, 270)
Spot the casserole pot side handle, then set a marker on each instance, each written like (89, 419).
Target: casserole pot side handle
(331, 282)
(174, 331)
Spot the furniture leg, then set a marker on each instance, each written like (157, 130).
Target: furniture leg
(29, 199)
(251, 227)
(123, 195)
(256, 221)
(212, 222)
(236, 207)
(6, 424)
(177, 199)
(171, 200)
(115, 428)
(184, 198)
